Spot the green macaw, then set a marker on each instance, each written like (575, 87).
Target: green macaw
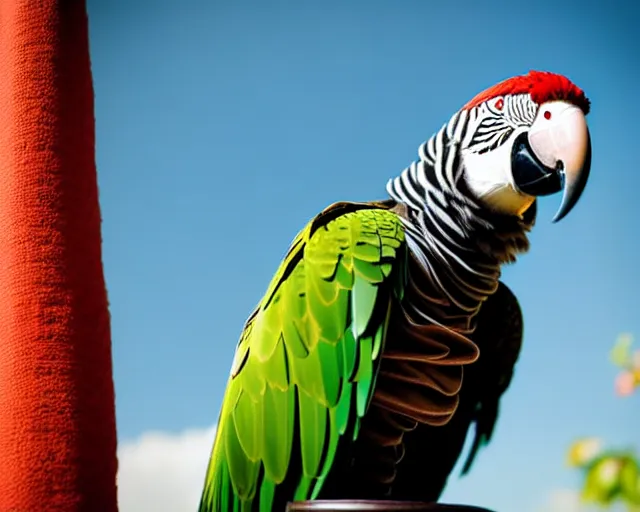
(386, 332)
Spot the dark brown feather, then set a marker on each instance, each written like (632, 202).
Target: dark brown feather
(432, 452)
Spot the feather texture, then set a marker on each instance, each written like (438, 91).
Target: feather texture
(307, 360)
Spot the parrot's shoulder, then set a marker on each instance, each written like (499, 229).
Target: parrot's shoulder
(364, 237)
(328, 236)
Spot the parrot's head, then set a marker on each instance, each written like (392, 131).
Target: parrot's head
(526, 137)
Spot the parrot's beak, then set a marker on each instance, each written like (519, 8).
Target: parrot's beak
(555, 154)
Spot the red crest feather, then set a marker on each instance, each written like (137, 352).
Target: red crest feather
(542, 86)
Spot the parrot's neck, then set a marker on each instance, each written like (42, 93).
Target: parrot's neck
(459, 244)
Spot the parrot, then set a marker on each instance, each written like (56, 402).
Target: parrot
(386, 333)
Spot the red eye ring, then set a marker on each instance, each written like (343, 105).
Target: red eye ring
(547, 114)
(499, 104)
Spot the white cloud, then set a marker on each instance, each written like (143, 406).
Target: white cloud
(163, 472)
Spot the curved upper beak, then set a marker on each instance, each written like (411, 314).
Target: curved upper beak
(555, 156)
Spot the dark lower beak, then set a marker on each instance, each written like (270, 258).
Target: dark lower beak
(533, 178)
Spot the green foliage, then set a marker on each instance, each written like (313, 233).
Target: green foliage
(608, 475)
(628, 379)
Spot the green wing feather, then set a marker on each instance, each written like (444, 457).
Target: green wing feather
(306, 363)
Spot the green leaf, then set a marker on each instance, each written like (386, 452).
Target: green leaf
(620, 354)
(630, 481)
(602, 482)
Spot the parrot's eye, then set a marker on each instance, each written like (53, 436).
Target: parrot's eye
(499, 104)
(547, 114)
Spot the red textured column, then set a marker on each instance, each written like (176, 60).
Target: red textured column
(57, 419)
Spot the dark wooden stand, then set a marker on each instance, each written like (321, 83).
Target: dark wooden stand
(377, 506)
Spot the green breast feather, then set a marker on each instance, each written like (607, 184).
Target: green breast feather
(306, 363)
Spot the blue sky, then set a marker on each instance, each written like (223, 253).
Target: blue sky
(224, 126)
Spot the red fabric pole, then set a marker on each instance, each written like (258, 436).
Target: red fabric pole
(57, 419)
